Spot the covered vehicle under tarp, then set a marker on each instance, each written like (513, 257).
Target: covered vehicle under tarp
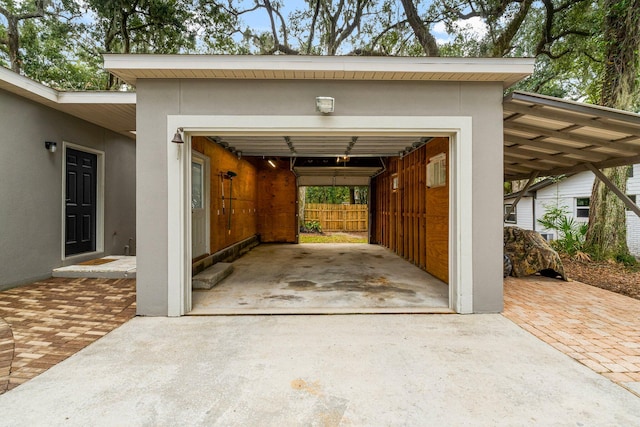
(529, 254)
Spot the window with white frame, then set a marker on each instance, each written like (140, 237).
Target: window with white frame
(512, 218)
(582, 207)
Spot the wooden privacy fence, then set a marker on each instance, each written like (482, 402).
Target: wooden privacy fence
(338, 217)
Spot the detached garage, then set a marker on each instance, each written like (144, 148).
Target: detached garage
(426, 134)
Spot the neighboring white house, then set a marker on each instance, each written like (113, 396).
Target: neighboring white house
(574, 193)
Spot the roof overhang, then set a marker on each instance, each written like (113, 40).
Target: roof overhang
(554, 137)
(115, 111)
(132, 67)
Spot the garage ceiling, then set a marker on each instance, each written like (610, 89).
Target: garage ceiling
(320, 146)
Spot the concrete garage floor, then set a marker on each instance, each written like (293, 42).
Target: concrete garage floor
(320, 370)
(323, 278)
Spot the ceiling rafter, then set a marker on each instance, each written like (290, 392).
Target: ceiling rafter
(556, 115)
(564, 135)
(561, 149)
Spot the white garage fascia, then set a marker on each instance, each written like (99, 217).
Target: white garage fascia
(458, 128)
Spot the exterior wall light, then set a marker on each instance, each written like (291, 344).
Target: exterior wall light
(325, 104)
(51, 146)
(272, 163)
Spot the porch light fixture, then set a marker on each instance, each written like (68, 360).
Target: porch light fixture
(325, 104)
(50, 146)
(177, 138)
(272, 163)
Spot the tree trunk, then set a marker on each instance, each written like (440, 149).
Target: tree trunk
(607, 232)
(420, 29)
(13, 38)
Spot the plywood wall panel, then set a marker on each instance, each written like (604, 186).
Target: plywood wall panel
(437, 216)
(277, 195)
(413, 220)
(240, 204)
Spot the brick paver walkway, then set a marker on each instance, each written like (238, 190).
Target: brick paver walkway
(53, 319)
(598, 328)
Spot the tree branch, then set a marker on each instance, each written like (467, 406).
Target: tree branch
(424, 36)
(313, 26)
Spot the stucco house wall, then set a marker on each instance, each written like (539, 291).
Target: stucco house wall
(158, 98)
(31, 189)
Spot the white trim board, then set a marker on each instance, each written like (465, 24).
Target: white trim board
(457, 128)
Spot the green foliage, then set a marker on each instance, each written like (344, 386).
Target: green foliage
(312, 227)
(338, 195)
(626, 259)
(571, 233)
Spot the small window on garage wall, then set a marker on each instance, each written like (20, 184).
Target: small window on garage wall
(513, 217)
(582, 207)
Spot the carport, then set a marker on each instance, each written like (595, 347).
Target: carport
(547, 136)
(256, 109)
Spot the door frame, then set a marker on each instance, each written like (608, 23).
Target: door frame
(206, 190)
(99, 201)
(459, 130)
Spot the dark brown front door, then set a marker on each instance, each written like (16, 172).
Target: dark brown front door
(80, 212)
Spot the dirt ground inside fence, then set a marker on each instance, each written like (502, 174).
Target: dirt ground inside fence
(335, 237)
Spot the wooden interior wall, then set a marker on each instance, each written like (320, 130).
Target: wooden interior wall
(413, 220)
(244, 205)
(437, 213)
(277, 207)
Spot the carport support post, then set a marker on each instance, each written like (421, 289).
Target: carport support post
(611, 186)
(532, 178)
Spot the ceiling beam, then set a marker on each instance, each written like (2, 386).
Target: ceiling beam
(559, 134)
(561, 149)
(618, 161)
(555, 158)
(563, 116)
(531, 165)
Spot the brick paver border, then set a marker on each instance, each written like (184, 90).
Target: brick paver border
(598, 328)
(53, 319)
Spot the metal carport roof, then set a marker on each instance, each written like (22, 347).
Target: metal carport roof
(552, 136)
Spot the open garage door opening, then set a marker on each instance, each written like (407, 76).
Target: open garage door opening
(268, 199)
(333, 214)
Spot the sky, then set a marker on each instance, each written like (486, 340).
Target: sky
(259, 20)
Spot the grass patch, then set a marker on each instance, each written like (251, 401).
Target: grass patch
(331, 238)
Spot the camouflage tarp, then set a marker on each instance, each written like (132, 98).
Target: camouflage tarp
(530, 253)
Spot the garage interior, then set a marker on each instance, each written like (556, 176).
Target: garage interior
(246, 187)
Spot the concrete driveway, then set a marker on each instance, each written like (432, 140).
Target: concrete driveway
(320, 370)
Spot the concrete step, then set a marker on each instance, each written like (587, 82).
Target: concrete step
(116, 267)
(212, 275)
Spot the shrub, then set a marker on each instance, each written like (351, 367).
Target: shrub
(571, 234)
(312, 227)
(626, 259)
